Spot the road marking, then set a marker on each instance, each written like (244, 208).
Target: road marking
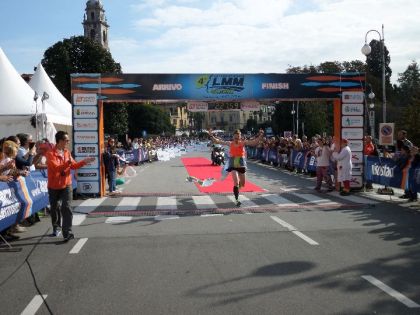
(113, 220)
(278, 200)
(204, 202)
(34, 305)
(245, 201)
(212, 215)
(166, 203)
(166, 217)
(390, 291)
(89, 205)
(355, 199)
(316, 199)
(78, 219)
(128, 203)
(292, 229)
(76, 248)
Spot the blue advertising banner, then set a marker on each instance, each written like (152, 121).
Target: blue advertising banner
(384, 172)
(22, 198)
(298, 158)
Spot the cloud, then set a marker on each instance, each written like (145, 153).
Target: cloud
(255, 36)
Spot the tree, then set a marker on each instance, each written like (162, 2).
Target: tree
(149, 118)
(116, 118)
(408, 96)
(409, 83)
(77, 54)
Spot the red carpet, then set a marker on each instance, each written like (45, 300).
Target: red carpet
(202, 169)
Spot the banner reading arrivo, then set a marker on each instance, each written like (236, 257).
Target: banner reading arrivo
(204, 92)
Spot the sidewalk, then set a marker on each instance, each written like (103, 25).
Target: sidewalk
(391, 198)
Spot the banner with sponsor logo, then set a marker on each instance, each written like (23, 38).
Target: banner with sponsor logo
(384, 172)
(22, 198)
(213, 86)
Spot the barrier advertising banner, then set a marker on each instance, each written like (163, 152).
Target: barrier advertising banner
(22, 198)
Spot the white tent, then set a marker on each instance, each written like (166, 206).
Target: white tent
(18, 104)
(41, 83)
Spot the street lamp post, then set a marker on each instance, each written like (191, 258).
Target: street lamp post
(371, 96)
(293, 117)
(366, 50)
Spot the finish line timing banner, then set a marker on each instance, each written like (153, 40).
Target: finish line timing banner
(216, 86)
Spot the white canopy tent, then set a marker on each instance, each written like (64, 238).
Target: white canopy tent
(41, 83)
(18, 104)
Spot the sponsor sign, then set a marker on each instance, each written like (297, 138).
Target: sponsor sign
(87, 174)
(197, 107)
(85, 99)
(287, 134)
(85, 111)
(356, 181)
(88, 187)
(352, 109)
(353, 97)
(85, 124)
(352, 121)
(86, 137)
(93, 164)
(86, 150)
(222, 86)
(356, 157)
(250, 106)
(386, 133)
(352, 133)
(356, 145)
(357, 169)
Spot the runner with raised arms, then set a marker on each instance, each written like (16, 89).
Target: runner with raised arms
(237, 161)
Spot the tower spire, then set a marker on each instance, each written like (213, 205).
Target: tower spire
(95, 24)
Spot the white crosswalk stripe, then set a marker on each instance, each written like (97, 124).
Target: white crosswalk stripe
(78, 219)
(245, 201)
(89, 205)
(355, 199)
(128, 203)
(166, 203)
(204, 202)
(317, 199)
(115, 220)
(278, 200)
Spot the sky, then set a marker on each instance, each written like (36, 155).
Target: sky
(222, 36)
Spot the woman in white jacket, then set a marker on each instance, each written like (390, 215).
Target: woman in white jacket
(344, 166)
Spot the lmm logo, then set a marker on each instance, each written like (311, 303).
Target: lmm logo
(221, 83)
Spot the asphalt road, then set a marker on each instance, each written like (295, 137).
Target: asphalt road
(161, 249)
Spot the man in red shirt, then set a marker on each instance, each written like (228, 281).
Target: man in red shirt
(369, 150)
(59, 164)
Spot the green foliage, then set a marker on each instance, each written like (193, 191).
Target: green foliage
(148, 117)
(116, 118)
(76, 55)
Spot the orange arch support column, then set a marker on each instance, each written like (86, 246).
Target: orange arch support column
(101, 147)
(337, 118)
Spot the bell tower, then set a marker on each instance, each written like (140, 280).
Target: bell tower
(95, 24)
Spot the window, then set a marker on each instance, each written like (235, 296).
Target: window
(92, 15)
(92, 34)
(104, 36)
(231, 118)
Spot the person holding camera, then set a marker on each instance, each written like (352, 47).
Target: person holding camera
(26, 153)
(59, 165)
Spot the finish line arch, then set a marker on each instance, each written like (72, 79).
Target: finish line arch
(90, 92)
